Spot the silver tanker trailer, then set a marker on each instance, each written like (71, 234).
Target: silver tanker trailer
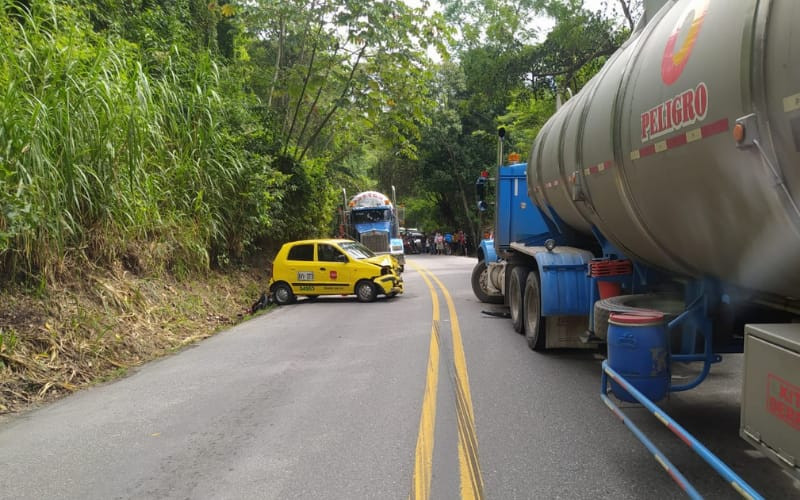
(667, 192)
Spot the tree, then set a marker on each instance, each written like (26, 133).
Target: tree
(330, 57)
(499, 78)
(492, 23)
(341, 80)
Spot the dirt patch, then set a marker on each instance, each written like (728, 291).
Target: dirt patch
(98, 325)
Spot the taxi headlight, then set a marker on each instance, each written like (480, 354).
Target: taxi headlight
(386, 270)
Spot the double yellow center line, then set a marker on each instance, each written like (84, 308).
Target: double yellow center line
(469, 466)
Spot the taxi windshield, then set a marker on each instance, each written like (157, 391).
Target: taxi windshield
(356, 250)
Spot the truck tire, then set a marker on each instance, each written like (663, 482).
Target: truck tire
(365, 291)
(535, 332)
(282, 294)
(516, 297)
(480, 275)
(670, 305)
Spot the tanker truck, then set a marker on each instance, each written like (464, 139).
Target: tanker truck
(371, 218)
(661, 219)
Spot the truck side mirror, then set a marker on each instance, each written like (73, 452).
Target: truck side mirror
(480, 192)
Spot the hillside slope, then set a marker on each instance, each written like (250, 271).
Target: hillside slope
(104, 322)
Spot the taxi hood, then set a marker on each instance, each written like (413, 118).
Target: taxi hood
(383, 260)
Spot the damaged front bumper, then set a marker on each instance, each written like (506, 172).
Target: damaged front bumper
(390, 284)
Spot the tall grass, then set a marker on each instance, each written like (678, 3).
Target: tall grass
(101, 160)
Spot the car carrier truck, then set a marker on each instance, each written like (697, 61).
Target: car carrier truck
(658, 214)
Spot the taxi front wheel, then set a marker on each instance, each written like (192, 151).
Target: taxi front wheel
(365, 291)
(283, 295)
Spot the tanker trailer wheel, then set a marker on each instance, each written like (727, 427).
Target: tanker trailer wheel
(516, 297)
(535, 332)
(670, 305)
(480, 280)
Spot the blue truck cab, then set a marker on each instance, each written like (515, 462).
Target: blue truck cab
(371, 218)
(516, 219)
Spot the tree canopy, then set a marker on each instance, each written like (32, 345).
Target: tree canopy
(182, 134)
(505, 71)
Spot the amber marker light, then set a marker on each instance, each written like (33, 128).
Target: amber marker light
(738, 133)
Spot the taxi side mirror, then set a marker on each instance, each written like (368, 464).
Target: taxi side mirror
(341, 258)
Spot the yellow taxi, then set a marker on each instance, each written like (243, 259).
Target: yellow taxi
(332, 267)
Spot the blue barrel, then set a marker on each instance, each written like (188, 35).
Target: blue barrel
(638, 349)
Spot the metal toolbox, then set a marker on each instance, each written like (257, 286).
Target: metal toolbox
(770, 418)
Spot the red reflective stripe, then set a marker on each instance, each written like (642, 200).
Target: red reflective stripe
(714, 128)
(596, 169)
(676, 479)
(647, 150)
(681, 436)
(678, 140)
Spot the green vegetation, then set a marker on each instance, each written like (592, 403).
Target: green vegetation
(179, 135)
(499, 75)
(148, 141)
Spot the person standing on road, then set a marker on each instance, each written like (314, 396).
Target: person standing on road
(439, 241)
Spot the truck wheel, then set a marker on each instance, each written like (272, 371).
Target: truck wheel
(480, 277)
(283, 295)
(516, 297)
(670, 305)
(534, 323)
(365, 291)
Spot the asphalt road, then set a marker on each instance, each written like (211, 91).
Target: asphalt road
(326, 399)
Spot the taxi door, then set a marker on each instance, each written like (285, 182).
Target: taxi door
(334, 273)
(303, 273)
